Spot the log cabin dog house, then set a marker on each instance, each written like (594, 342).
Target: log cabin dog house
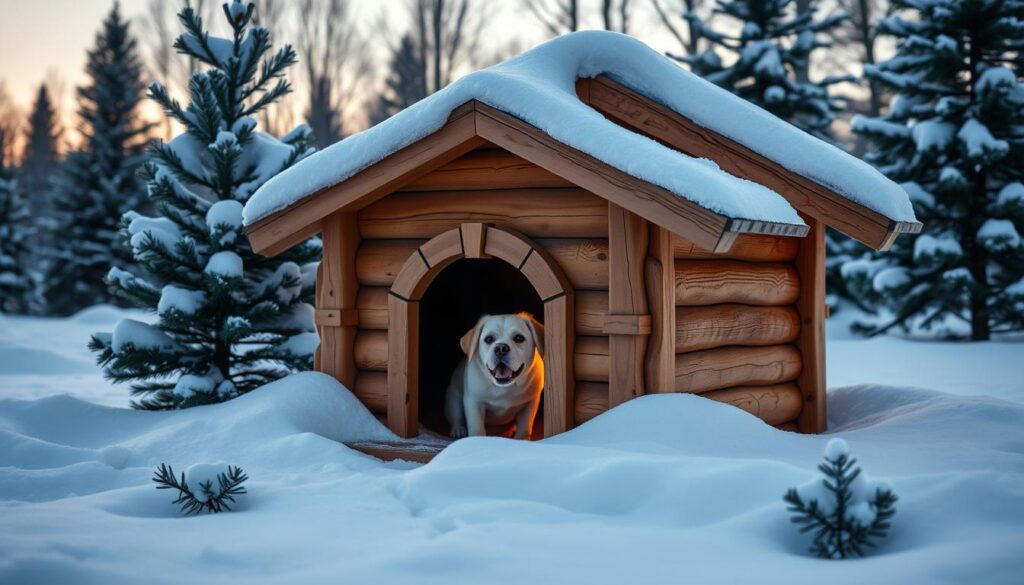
(669, 235)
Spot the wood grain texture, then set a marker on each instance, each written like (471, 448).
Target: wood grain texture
(807, 196)
(559, 378)
(487, 168)
(698, 328)
(473, 236)
(810, 263)
(338, 292)
(591, 310)
(403, 366)
(537, 213)
(714, 369)
(372, 390)
(711, 282)
(372, 304)
(627, 296)
(748, 247)
(372, 350)
(283, 229)
(584, 261)
(591, 400)
(774, 404)
(660, 361)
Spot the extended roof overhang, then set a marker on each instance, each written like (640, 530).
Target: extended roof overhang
(474, 124)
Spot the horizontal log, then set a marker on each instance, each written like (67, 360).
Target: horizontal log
(748, 247)
(536, 213)
(372, 390)
(487, 169)
(711, 282)
(775, 404)
(371, 350)
(591, 400)
(713, 326)
(584, 261)
(789, 427)
(714, 369)
(591, 359)
(591, 308)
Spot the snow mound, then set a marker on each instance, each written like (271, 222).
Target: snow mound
(538, 87)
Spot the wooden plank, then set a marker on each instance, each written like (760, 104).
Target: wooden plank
(710, 282)
(660, 361)
(713, 326)
(648, 201)
(399, 451)
(317, 292)
(789, 427)
(809, 197)
(282, 230)
(810, 264)
(337, 293)
(412, 279)
(442, 248)
(584, 261)
(714, 369)
(403, 366)
(487, 168)
(473, 241)
(774, 404)
(591, 400)
(590, 360)
(627, 296)
(749, 247)
(559, 379)
(372, 350)
(537, 213)
(372, 304)
(591, 310)
(372, 390)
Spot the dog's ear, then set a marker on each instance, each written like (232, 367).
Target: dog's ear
(536, 330)
(471, 339)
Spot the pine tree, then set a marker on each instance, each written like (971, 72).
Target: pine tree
(15, 285)
(229, 320)
(41, 156)
(405, 85)
(772, 53)
(954, 137)
(98, 183)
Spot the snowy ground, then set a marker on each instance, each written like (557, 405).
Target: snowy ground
(668, 488)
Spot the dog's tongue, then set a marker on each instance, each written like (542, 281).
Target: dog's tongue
(502, 372)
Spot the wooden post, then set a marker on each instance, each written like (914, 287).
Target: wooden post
(403, 366)
(627, 305)
(810, 265)
(660, 364)
(336, 290)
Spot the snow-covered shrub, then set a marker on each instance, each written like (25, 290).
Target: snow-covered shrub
(845, 510)
(196, 490)
(228, 320)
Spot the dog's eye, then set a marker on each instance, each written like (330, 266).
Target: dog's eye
(519, 338)
(489, 339)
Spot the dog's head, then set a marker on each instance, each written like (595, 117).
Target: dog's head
(505, 345)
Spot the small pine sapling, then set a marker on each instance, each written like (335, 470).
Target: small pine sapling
(229, 485)
(846, 511)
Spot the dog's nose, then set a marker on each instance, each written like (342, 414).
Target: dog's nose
(501, 348)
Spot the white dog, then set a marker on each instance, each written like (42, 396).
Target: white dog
(501, 379)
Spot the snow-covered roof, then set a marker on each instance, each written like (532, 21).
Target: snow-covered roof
(539, 87)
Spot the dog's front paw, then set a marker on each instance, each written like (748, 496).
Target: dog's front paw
(459, 432)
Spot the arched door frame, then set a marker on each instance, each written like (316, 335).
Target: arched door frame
(478, 240)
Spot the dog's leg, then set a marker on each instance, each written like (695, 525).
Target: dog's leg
(475, 417)
(453, 409)
(525, 417)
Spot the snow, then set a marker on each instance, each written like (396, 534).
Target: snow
(888, 278)
(225, 264)
(929, 245)
(999, 234)
(173, 298)
(129, 332)
(224, 213)
(539, 88)
(1011, 194)
(932, 135)
(978, 142)
(664, 485)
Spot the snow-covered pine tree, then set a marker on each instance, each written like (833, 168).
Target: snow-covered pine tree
(405, 85)
(228, 320)
(99, 182)
(954, 137)
(15, 285)
(41, 156)
(772, 47)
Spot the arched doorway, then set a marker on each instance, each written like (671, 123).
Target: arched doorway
(478, 241)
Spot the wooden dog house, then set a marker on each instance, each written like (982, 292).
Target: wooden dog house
(640, 290)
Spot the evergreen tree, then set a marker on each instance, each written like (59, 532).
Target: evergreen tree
(229, 320)
(405, 85)
(41, 156)
(98, 183)
(15, 285)
(772, 53)
(954, 136)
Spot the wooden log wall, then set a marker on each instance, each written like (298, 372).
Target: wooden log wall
(736, 328)
(495, 187)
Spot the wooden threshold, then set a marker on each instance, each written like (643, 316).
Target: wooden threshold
(399, 450)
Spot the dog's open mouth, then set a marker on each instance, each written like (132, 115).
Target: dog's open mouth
(503, 374)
